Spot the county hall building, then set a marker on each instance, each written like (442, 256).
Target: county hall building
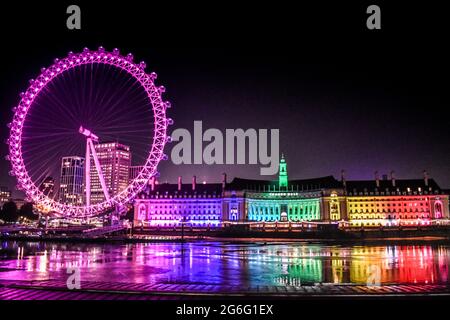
(385, 202)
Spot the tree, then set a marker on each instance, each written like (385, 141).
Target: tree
(26, 211)
(129, 215)
(9, 212)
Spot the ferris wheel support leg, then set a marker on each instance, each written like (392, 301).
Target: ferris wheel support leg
(99, 170)
(87, 170)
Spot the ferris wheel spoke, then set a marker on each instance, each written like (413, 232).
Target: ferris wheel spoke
(128, 129)
(113, 96)
(61, 106)
(56, 135)
(40, 171)
(57, 141)
(118, 117)
(39, 157)
(48, 122)
(55, 89)
(71, 90)
(46, 163)
(123, 95)
(105, 93)
(124, 98)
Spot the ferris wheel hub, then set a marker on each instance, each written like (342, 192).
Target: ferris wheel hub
(88, 133)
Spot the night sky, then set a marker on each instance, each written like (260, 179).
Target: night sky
(342, 96)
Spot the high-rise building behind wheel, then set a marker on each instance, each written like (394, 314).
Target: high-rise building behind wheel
(71, 180)
(115, 162)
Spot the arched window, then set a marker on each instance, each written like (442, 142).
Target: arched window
(142, 212)
(438, 210)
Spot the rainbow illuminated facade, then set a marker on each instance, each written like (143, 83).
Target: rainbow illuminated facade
(284, 203)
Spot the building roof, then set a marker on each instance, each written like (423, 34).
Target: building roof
(401, 185)
(327, 182)
(186, 189)
(313, 184)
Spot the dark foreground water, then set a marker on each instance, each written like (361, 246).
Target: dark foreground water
(222, 263)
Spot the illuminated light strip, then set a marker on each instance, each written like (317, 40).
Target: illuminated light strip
(397, 222)
(161, 223)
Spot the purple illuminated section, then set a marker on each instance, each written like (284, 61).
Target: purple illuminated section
(177, 223)
(74, 60)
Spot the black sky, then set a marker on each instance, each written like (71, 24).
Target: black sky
(342, 96)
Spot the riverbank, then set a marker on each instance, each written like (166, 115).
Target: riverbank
(439, 234)
(417, 240)
(57, 290)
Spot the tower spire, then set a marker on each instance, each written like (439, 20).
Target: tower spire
(282, 174)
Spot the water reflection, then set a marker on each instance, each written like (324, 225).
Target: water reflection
(225, 264)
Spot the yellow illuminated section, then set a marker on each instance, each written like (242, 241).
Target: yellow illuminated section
(397, 264)
(379, 211)
(334, 207)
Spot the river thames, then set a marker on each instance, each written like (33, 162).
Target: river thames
(226, 263)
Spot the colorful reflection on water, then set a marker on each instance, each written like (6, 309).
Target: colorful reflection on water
(221, 263)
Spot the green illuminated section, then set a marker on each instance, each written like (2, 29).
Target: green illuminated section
(302, 271)
(282, 205)
(274, 210)
(308, 270)
(303, 210)
(282, 175)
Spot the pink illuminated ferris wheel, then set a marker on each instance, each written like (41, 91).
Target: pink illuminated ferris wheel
(83, 124)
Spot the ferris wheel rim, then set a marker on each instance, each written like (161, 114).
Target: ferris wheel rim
(155, 154)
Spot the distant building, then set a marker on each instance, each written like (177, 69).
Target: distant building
(5, 195)
(115, 162)
(71, 182)
(47, 187)
(394, 202)
(286, 203)
(134, 172)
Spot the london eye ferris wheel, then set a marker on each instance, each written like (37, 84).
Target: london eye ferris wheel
(79, 103)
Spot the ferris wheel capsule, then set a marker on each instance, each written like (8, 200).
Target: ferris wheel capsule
(153, 76)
